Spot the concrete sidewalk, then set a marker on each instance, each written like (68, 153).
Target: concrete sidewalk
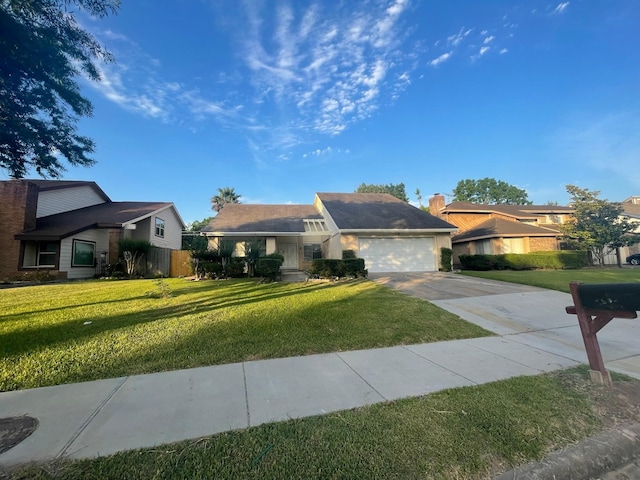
(102, 417)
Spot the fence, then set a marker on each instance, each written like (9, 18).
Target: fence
(180, 263)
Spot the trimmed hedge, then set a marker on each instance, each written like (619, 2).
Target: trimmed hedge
(330, 267)
(556, 260)
(446, 254)
(269, 266)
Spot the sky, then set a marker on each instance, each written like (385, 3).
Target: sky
(282, 99)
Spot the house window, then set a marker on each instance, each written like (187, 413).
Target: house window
(83, 254)
(312, 251)
(40, 254)
(159, 227)
(484, 247)
(513, 245)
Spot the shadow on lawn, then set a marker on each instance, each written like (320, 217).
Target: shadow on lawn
(26, 340)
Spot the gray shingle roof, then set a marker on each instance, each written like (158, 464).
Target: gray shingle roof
(104, 215)
(377, 211)
(251, 218)
(498, 227)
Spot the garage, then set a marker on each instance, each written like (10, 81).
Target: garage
(398, 254)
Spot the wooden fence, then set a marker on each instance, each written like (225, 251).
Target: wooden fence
(180, 263)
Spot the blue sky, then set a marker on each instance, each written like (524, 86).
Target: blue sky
(282, 99)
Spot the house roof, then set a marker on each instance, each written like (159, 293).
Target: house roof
(378, 211)
(498, 227)
(104, 215)
(251, 218)
(516, 211)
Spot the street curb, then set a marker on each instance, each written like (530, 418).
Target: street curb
(588, 459)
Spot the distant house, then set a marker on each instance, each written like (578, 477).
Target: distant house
(389, 234)
(497, 229)
(71, 228)
(631, 210)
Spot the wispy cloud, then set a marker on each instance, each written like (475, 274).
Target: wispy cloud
(332, 66)
(561, 8)
(441, 59)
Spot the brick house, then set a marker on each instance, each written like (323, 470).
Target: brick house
(497, 229)
(70, 229)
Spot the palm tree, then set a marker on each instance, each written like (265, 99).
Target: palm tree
(225, 195)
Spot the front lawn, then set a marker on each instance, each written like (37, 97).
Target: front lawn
(72, 332)
(559, 279)
(464, 433)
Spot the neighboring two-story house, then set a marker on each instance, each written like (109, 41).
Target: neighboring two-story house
(71, 228)
(497, 229)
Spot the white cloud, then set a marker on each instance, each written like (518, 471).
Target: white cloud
(503, 51)
(484, 50)
(441, 59)
(488, 40)
(561, 7)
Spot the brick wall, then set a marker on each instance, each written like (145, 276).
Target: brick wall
(543, 244)
(18, 204)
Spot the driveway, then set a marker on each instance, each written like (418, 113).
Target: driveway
(528, 315)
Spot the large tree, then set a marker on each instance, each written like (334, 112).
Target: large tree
(597, 225)
(43, 50)
(397, 190)
(225, 195)
(489, 191)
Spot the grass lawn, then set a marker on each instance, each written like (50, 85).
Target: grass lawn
(559, 279)
(77, 331)
(470, 432)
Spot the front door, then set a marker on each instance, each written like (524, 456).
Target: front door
(290, 253)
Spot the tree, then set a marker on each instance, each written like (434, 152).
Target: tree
(42, 52)
(489, 191)
(597, 225)
(198, 225)
(225, 195)
(397, 190)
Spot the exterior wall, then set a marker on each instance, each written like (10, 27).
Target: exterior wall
(101, 240)
(347, 242)
(146, 230)
(61, 200)
(543, 244)
(18, 200)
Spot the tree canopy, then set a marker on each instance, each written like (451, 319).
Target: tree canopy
(397, 190)
(198, 225)
(43, 50)
(597, 225)
(489, 191)
(225, 195)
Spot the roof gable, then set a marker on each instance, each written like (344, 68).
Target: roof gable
(377, 211)
(516, 211)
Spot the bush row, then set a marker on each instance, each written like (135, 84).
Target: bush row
(330, 267)
(560, 259)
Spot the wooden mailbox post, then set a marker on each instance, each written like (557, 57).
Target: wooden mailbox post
(596, 305)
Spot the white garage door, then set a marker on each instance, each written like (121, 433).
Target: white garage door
(397, 254)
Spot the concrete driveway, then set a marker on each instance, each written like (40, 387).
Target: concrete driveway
(528, 315)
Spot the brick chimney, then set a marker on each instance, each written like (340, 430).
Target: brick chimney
(436, 205)
(18, 205)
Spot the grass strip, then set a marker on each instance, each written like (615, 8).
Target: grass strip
(559, 279)
(65, 333)
(470, 432)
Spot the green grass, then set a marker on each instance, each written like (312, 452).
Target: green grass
(63, 333)
(559, 279)
(470, 432)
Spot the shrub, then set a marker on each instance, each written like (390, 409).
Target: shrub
(560, 259)
(269, 266)
(132, 251)
(235, 267)
(348, 254)
(446, 254)
(331, 268)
